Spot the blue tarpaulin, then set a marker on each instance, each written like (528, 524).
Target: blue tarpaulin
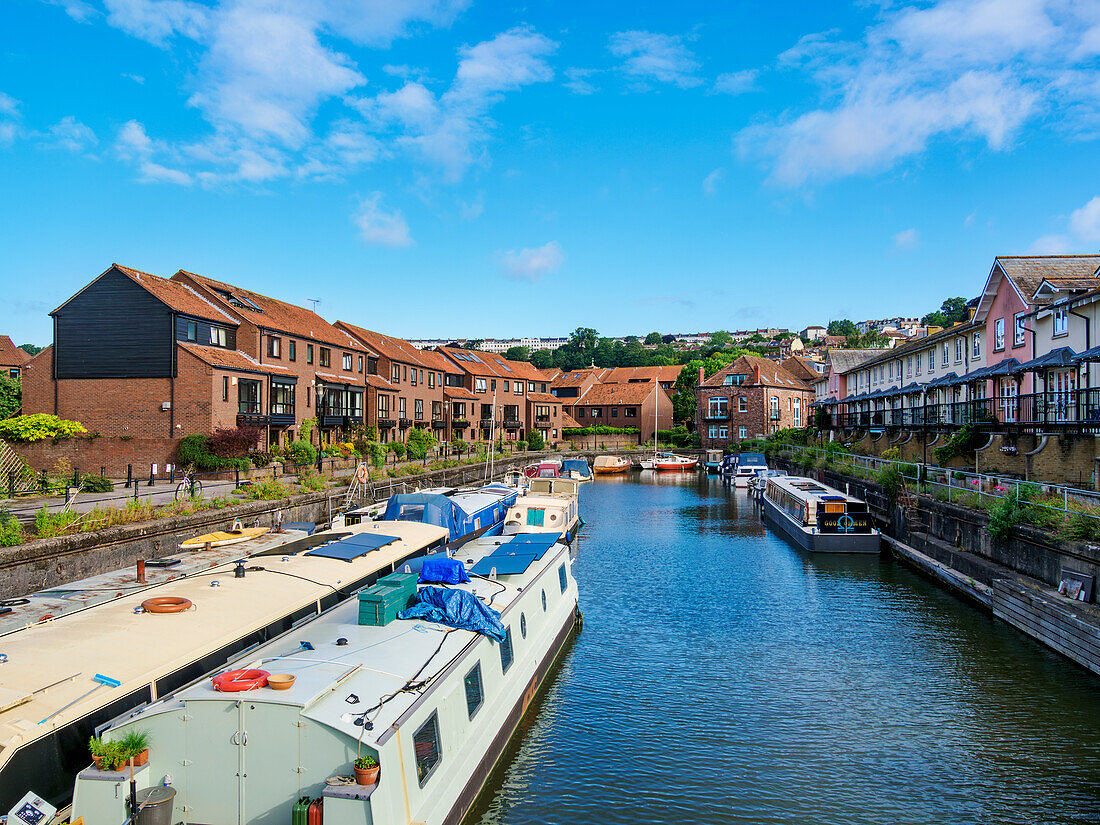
(455, 608)
(443, 570)
(429, 508)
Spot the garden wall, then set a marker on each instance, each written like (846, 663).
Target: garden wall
(89, 455)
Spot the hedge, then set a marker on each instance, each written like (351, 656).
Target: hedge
(569, 432)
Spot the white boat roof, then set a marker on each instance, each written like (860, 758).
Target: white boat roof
(139, 648)
(376, 662)
(809, 489)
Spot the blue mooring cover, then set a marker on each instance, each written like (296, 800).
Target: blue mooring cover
(455, 608)
(443, 570)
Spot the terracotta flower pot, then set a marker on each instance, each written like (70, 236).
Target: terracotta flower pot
(367, 776)
(140, 759)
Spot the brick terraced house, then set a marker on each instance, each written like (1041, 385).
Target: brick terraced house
(645, 406)
(487, 377)
(12, 358)
(750, 398)
(135, 354)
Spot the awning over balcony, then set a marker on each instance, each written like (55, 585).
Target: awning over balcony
(1010, 366)
(1061, 357)
(825, 402)
(949, 380)
(1088, 355)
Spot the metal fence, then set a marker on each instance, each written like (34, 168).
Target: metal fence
(962, 486)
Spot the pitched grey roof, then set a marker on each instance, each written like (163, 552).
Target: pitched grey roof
(846, 360)
(1027, 272)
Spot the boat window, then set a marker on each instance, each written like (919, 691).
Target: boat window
(535, 516)
(561, 577)
(506, 651)
(475, 696)
(544, 600)
(427, 749)
(523, 625)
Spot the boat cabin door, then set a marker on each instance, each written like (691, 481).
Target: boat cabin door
(241, 762)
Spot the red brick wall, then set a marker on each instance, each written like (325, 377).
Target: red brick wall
(757, 419)
(88, 455)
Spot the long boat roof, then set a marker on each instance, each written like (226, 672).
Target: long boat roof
(808, 488)
(376, 662)
(138, 648)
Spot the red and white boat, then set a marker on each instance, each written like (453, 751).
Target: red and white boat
(674, 462)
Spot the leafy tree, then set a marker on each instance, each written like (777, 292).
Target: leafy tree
(871, 339)
(475, 343)
(518, 354)
(721, 339)
(535, 441)
(31, 349)
(634, 355)
(653, 338)
(419, 442)
(542, 359)
(11, 396)
(629, 339)
(842, 327)
(951, 311)
(667, 339)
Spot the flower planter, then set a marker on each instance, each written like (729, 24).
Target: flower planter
(367, 776)
(141, 759)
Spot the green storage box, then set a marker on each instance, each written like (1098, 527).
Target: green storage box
(403, 581)
(379, 605)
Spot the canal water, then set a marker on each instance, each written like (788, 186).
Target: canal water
(724, 676)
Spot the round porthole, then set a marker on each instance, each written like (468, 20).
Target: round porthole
(544, 601)
(523, 625)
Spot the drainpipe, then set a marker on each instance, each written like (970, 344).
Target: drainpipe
(1088, 339)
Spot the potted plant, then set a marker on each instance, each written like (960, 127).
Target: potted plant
(135, 745)
(367, 770)
(108, 756)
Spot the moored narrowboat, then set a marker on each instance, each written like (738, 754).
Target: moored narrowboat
(819, 518)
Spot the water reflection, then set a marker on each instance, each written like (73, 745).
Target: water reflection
(725, 676)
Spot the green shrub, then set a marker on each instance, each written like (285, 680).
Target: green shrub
(419, 442)
(1010, 511)
(1081, 527)
(891, 479)
(535, 441)
(301, 452)
(312, 481)
(459, 446)
(48, 524)
(305, 432)
(265, 490)
(571, 432)
(521, 446)
(26, 428)
(962, 442)
(397, 448)
(95, 483)
(11, 396)
(259, 459)
(11, 533)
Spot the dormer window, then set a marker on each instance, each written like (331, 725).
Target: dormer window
(192, 331)
(218, 336)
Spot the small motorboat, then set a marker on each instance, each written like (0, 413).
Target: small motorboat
(746, 468)
(713, 462)
(576, 469)
(606, 464)
(675, 462)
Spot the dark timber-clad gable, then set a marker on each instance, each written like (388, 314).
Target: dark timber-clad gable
(113, 329)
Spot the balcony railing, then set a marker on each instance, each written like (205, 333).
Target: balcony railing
(438, 423)
(386, 423)
(719, 416)
(459, 423)
(512, 424)
(543, 418)
(254, 420)
(405, 423)
(1071, 411)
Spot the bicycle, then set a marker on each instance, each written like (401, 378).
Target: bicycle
(189, 487)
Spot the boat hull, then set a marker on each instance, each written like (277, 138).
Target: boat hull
(820, 542)
(674, 466)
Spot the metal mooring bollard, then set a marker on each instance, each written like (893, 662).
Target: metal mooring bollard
(129, 475)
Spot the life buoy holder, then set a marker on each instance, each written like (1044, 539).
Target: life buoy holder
(237, 680)
(166, 604)
(361, 473)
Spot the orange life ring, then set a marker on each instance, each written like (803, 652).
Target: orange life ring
(237, 680)
(166, 604)
(361, 473)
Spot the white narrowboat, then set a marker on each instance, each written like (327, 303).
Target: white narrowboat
(433, 704)
(819, 518)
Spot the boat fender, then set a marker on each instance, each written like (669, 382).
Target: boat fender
(238, 680)
(166, 604)
(568, 537)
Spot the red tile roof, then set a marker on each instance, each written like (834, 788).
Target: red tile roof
(178, 296)
(771, 374)
(11, 355)
(623, 375)
(380, 383)
(458, 394)
(475, 362)
(544, 398)
(396, 349)
(612, 394)
(232, 360)
(272, 313)
(568, 421)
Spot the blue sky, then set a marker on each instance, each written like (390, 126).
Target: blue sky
(460, 168)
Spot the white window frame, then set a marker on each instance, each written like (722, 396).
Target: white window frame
(999, 335)
(1059, 322)
(976, 349)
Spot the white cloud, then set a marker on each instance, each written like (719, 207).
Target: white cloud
(960, 69)
(134, 144)
(711, 181)
(263, 70)
(578, 82)
(533, 264)
(377, 226)
(78, 10)
(1082, 233)
(1084, 223)
(450, 131)
(736, 83)
(138, 79)
(907, 239)
(1051, 245)
(650, 56)
(9, 119)
(70, 134)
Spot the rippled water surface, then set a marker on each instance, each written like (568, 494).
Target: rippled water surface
(723, 676)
